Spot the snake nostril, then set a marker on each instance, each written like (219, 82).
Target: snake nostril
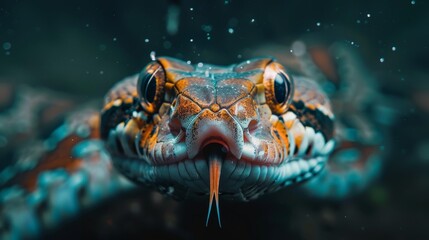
(175, 126)
(253, 125)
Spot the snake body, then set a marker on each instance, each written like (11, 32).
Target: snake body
(236, 132)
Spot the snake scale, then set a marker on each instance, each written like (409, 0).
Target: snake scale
(234, 132)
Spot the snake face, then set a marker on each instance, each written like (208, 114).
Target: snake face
(238, 131)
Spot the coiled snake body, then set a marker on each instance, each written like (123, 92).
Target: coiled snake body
(235, 132)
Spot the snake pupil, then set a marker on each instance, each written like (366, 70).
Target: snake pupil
(151, 89)
(148, 87)
(280, 88)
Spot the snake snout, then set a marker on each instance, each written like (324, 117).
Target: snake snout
(219, 128)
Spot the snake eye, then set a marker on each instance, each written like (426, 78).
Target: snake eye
(281, 88)
(278, 88)
(150, 86)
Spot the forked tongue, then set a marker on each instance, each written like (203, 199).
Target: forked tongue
(214, 155)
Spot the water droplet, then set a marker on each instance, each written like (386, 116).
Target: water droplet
(231, 30)
(413, 2)
(368, 15)
(191, 40)
(188, 62)
(146, 40)
(253, 20)
(191, 9)
(206, 28)
(239, 56)
(393, 48)
(298, 48)
(115, 39)
(7, 45)
(381, 60)
(318, 24)
(200, 64)
(153, 55)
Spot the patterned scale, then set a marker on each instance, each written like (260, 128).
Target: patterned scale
(53, 178)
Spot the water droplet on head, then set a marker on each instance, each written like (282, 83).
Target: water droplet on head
(146, 40)
(231, 30)
(153, 55)
(381, 60)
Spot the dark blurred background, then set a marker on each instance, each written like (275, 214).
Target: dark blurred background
(82, 48)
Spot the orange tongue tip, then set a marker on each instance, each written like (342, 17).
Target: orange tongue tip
(214, 171)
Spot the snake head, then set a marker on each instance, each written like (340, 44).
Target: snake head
(163, 125)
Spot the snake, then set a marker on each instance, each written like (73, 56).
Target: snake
(189, 131)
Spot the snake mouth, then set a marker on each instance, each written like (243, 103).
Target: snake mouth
(215, 144)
